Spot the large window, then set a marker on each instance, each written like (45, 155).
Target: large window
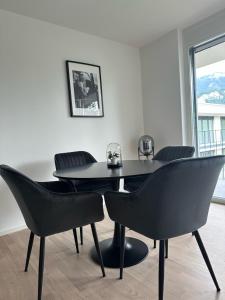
(208, 93)
(205, 130)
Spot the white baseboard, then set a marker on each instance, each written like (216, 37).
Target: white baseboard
(12, 229)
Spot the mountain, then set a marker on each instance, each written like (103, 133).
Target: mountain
(211, 88)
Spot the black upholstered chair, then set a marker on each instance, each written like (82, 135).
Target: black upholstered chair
(172, 202)
(79, 158)
(47, 211)
(168, 153)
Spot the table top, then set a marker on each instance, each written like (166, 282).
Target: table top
(99, 170)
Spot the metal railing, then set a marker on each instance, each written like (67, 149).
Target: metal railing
(212, 142)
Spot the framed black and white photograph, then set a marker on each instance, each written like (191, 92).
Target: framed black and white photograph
(85, 89)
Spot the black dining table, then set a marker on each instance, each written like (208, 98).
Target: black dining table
(135, 249)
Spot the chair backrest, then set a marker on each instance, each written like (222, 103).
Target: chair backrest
(174, 152)
(28, 194)
(175, 199)
(73, 159)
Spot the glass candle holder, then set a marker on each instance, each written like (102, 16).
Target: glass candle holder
(113, 155)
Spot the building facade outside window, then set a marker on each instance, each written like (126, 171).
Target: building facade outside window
(206, 130)
(222, 121)
(211, 130)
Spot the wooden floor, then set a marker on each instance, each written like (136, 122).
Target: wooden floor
(70, 276)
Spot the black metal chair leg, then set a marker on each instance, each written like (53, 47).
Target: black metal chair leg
(161, 268)
(76, 239)
(122, 250)
(41, 266)
(81, 235)
(29, 249)
(166, 248)
(206, 258)
(154, 244)
(95, 236)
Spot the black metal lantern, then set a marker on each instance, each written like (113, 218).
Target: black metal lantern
(146, 146)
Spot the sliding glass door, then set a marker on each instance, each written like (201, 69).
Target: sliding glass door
(208, 66)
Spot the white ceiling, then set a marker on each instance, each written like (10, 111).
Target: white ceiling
(135, 22)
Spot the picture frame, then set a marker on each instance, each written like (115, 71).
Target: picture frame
(85, 89)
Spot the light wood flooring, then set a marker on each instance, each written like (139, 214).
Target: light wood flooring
(74, 276)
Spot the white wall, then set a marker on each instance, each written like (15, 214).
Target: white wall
(34, 106)
(167, 102)
(161, 90)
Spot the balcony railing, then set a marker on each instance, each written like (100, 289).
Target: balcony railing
(212, 142)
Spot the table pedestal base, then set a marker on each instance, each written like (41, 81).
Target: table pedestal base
(135, 252)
